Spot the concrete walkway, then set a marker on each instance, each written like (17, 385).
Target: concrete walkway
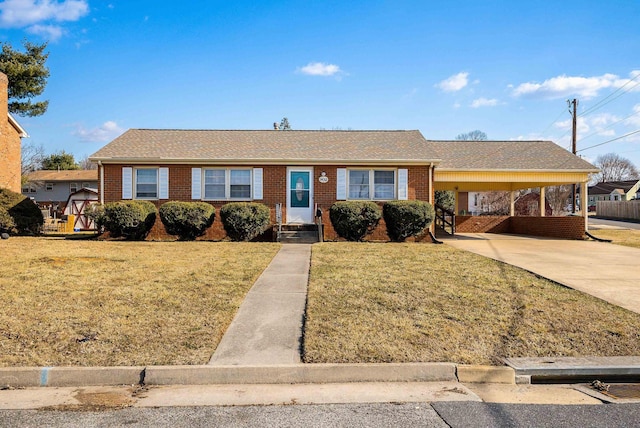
(604, 270)
(268, 326)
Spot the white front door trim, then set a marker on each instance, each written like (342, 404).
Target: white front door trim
(300, 214)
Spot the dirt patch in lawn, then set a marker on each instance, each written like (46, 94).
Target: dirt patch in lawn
(102, 303)
(410, 303)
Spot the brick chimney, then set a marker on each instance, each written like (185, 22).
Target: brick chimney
(10, 163)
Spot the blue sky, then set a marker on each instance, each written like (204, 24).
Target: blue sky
(503, 67)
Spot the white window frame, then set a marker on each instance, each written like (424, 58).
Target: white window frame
(48, 187)
(372, 184)
(72, 186)
(227, 184)
(85, 185)
(135, 184)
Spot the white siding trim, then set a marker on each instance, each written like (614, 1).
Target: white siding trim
(127, 182)
(163, 185)
(341, 184)
(257, 183)
(403, 184)
(196, 183)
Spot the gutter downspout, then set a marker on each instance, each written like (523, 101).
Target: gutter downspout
(101, 168)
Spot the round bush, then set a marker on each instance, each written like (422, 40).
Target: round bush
(129, 219)
(353, 220)
(243, 221)
(6, 221)
(407, 218)
(26, 215)
(188, 220)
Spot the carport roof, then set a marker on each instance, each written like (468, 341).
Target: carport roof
(508, 156)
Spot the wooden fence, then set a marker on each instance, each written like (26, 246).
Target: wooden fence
(628, 210)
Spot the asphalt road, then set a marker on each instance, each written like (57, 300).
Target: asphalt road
(437, 414)
(597, 223)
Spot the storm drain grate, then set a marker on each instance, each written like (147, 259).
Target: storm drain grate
(623, 390)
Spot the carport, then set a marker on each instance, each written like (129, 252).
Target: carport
(510, 166)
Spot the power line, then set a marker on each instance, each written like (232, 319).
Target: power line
(610, 125)
(602, 102)
(610, 141)
(554, 122)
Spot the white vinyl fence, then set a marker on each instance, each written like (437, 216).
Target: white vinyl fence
(629, 210)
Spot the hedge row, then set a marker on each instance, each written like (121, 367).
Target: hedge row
(353, 220)
(134, 219)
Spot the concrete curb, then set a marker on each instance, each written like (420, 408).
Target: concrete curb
(23, 377)
(486, 374)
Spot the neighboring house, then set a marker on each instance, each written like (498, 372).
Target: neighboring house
(614, 191)
(309, 170)
(51, 189)
(10, 134)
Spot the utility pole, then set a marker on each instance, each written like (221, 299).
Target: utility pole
(574, 103)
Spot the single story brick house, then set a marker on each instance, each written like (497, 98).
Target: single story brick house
(303, 171)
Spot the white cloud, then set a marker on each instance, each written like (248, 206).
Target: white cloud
(102, 134)
(36, 16)
(484, 102)
(51, 32)
(564, 86)
(320, 69)
(454, 83)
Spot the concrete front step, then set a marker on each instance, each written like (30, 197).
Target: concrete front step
(298, 237)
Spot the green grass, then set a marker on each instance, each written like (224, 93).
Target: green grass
(419, 302)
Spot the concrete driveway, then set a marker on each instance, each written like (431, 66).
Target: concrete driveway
(604, 270)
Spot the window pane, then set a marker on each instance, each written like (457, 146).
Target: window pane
(146, 183)
(214, 184)
(240, 191)
(384, 185)
(240, 176)
(358, 184)
(240, 186)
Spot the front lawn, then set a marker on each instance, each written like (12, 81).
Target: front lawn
(627, 237)
(101, 303)
(420, 302)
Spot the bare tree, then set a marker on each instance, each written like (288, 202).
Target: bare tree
(558, 197)
(32, 156)
(476, 135)
(85, 163)
(615, 168)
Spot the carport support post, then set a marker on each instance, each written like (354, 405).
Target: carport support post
(543, 202)
(584, 203)
(512, 203)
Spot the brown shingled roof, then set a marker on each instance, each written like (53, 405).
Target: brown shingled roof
(267, 146)
(64, 175)
(507, 155)
(397, 147)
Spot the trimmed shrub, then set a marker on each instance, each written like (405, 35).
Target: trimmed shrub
(407, 218)
(129, 219)
(26, 215)
(188, 220)
(353, 220)
(96, 213)
(6, 221)
(243, 221)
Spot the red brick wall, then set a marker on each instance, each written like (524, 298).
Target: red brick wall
(552, 227)
(274, 191)
(482, 224)
(10, 151)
